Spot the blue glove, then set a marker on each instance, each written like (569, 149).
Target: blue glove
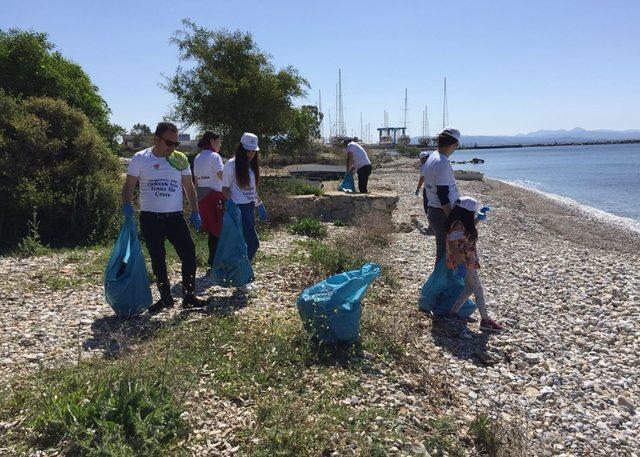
(127, 210)
(262, 212)
(482, 214)
(461, 271)
(417, 191)
(196, 222)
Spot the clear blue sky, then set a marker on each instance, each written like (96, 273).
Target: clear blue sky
(511, 66)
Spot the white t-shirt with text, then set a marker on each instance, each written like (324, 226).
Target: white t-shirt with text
(438, 172)
(360, 157)
(206, 166)
(160, 183)
(239, 195)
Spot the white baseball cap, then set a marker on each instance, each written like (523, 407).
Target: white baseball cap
(468, 203)
(453, 133)
(249, 141)
(423, 154)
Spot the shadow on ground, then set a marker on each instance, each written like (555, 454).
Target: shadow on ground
(115, 336)
(462, 342)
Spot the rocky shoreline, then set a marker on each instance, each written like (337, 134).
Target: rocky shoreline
(566, 371)
(568, 289)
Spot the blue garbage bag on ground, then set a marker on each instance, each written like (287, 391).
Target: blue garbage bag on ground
(348, 185)
(126, 282)
(331, 309)
(441, 290)
(231, 266)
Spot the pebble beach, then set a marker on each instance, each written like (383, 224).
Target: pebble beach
(567, 287)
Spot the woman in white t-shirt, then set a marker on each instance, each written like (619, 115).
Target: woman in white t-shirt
(358, 161)
(207, 169)
(241, 178)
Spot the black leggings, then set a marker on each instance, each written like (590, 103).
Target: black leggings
(213, 245)
(363, 178)
(158, 227)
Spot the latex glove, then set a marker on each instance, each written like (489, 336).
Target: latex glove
(461, 271)
(127, 210)
(262, 212)
(195, 220)
(482, 214)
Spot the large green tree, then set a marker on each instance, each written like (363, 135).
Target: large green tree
(231, 86)
(54, 163)
(30, 66)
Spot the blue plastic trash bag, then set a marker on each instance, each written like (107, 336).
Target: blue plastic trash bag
(348, 185)
(441, 290)
(126, 282)
(331, 309)
(231, 266)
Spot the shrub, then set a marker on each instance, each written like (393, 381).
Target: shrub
(407, 151)
(31, 67)
(309, 227)
(54, 162)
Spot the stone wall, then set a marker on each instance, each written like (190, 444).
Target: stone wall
(343, 206)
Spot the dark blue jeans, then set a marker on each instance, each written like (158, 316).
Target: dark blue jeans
(248, 214)
(425, 202)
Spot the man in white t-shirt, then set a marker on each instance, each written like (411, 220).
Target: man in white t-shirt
(440, 186)
(163, 175)
(358, 161)
(207, 168)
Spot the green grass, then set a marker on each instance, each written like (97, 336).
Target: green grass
(484, 431)
(289, 186)
(117, 406)
(308, 226)
(442, 439)
(118, 416)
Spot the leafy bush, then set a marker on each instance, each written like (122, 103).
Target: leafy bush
(30, 67)
(106, 417)
(407, 151)
(309, 227)
(54, 162)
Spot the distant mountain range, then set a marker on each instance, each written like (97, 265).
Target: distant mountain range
(576, 135)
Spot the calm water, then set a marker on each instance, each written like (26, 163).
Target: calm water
(605, 177)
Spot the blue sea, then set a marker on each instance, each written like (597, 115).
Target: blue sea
(605, 177)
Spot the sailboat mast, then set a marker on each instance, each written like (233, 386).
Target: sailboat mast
(320, 116)
(405, 109)
(343, 127)
(445, 107)
(426, 121)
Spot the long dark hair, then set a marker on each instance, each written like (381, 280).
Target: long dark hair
(242, 167)
(468, 219)
(205, 140)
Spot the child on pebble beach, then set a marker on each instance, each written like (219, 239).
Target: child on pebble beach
(462, 256)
